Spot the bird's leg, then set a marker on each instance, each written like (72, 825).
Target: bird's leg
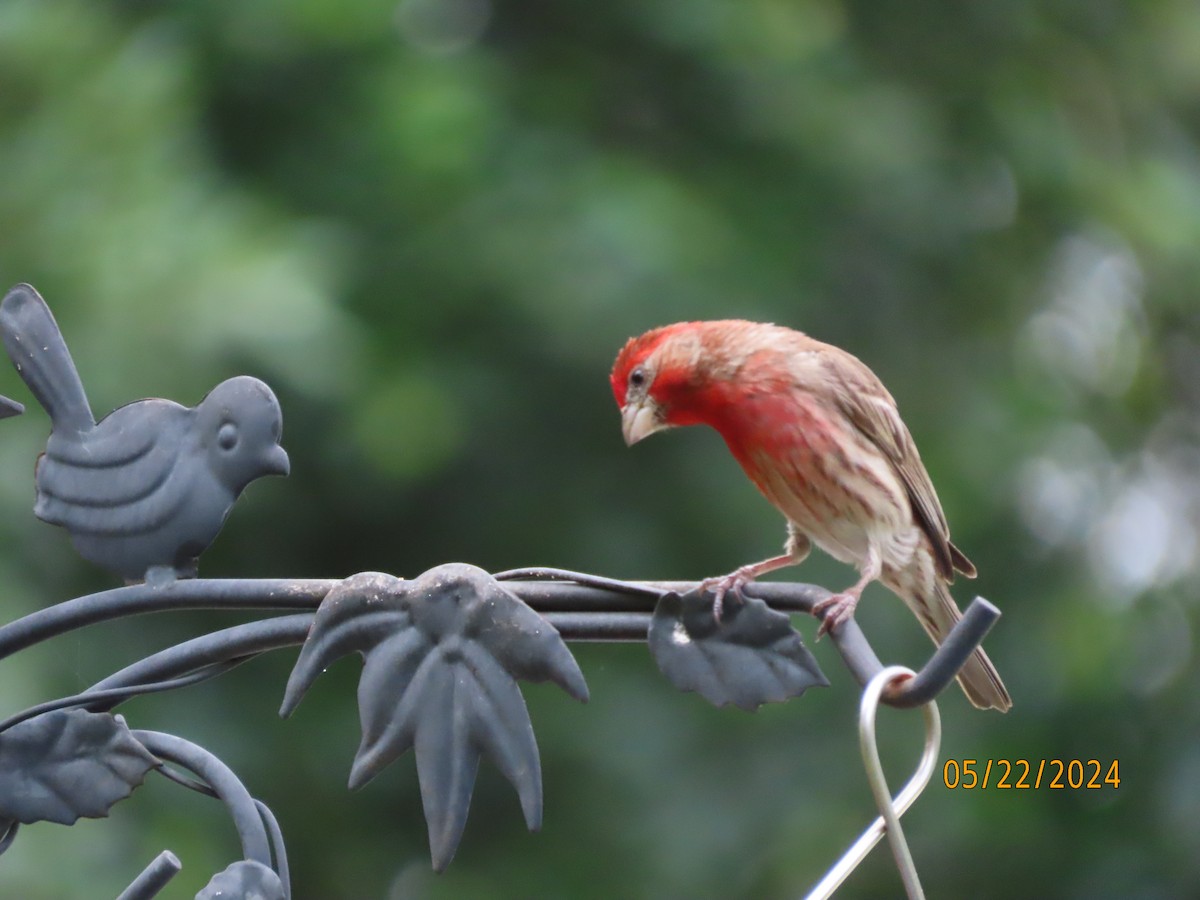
(796, 551)
(837, 608)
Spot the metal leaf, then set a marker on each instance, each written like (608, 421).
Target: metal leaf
(750, 657)
(244, 880)
(350, 619)
(442, 656)
(69, 763)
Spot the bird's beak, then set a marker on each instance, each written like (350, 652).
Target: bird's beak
(639, 420)
(277, 462)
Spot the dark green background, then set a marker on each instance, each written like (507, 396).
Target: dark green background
(430, 225)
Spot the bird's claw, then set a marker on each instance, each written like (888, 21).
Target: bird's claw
(720, 585)
(833, 611)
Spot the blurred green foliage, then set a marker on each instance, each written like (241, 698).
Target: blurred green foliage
(430, 225)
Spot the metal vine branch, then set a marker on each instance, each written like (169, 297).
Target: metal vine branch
(144, 491)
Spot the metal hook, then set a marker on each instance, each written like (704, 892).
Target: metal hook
(890, 809)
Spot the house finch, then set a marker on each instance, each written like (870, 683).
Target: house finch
(821, 437)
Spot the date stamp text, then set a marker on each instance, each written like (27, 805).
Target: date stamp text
(1031, 774)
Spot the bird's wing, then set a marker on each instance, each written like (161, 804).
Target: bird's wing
(124, 477)
(862, 398)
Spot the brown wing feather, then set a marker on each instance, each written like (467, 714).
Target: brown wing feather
(863, 399)
(961, 563)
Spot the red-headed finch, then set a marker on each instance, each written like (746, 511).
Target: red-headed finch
(821, 437)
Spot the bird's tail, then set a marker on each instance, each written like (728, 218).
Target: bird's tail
(979, 679)
(40, 354)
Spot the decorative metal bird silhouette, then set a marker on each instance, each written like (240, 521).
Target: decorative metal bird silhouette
(144, 491)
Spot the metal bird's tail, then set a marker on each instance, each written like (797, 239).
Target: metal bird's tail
(40, 355)
(978, 677)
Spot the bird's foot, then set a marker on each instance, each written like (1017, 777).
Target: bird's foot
(721, 585)
(834, 610)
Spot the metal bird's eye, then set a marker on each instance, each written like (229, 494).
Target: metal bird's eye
(227, 437)
(637, 378)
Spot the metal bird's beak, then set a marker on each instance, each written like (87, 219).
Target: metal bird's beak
(640, 419)
(277, 462)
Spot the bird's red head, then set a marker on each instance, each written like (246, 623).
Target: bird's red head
(645, 374)
(634, 355)
(678, 374)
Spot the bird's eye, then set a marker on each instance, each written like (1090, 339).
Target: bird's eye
(227, 437)
(637, 378)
